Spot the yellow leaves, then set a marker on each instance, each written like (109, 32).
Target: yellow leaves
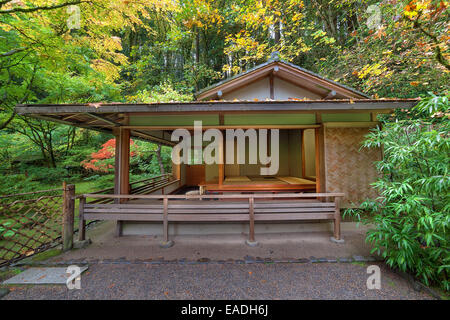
(371, 70)
(108, 69)
(297, 17)
(426, 8)
(414, 83)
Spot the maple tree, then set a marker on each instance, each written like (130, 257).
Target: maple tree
(405, 55)
(103, 159)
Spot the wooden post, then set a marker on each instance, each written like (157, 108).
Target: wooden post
(166, 243)
(303, 153)
(68, 215)
(320, 161)
(81, 222)
(317, 158)
(337, 219)
(122, 169)
(165, 219)
(124, 162)
(221, 160)
(251, 230)
(251, 211)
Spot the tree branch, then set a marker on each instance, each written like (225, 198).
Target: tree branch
(61, 5)
(437, 50)
(13, 51)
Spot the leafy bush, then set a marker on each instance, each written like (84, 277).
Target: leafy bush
(47, 175)
(410, 218)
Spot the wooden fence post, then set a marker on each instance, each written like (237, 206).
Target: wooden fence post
(68, 215)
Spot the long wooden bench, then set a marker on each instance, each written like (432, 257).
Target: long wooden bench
(249, 208)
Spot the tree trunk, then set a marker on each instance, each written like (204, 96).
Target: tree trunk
(277, 31)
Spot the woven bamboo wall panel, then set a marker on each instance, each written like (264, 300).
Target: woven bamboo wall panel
(347, 168)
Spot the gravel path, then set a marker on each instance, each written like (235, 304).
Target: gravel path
(226, 281)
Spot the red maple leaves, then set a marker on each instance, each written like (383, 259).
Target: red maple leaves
(99, 160)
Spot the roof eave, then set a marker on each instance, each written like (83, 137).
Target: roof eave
(221, 106)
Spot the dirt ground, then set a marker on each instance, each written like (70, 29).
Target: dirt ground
(211, 281)
(217, 247)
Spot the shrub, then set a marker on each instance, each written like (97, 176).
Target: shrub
(47, 175)
(410, 219)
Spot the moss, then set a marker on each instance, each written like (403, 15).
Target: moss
(9, 273)
(46, 255)
(392, 284)
(358, 263)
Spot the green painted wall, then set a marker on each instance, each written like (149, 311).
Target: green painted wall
(246, 119)
(269, 119)
(345, 117)
(174, 120)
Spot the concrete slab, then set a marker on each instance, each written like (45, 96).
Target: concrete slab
(215, 247)
(42, 276)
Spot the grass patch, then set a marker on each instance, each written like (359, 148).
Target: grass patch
(359, 263)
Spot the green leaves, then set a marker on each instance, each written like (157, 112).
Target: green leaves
(412, 215)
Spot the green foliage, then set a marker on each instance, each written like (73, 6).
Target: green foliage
(160, 93)
(412, 214)
(47, 175)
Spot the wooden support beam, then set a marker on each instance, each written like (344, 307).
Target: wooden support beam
(153, 138)
(374, 116)
(122, 169)
(251, 211)
(348, 124)
(259, 126)
(103, 119)
(81, 221)
(303, 155)
(318, 117)
(320, 160)
(221, 161)
(124, 161)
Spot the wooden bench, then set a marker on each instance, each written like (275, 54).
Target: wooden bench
(249, 208)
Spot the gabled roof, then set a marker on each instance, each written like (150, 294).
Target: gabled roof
(326, 88)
